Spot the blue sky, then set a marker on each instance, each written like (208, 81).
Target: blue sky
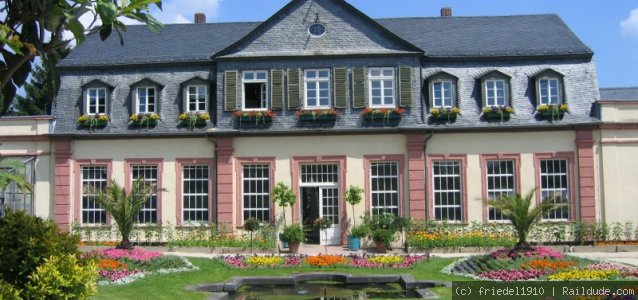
(608, 27)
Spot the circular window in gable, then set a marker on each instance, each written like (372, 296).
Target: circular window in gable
(317, 29)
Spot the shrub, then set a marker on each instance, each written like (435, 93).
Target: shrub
(62, 277)
(8, 292)
(359, 231)
(25, 241)
(293, 233)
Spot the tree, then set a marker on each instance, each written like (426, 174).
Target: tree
(518, 210)
(353, 197)
(10, 172)
(124, 206)
(284, 197)
(42, 87)
(36, 28)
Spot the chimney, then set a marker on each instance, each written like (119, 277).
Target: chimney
(200, 18)
(446, 12)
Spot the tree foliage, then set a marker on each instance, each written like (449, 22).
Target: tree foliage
(124, 206)
(31, 28)
(519, 211)
(10, 173)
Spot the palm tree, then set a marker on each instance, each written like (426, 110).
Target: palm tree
(518, 210)
(10, 172)
(124, 206)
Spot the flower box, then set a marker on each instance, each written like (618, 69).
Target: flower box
(501, 113)
(444, 114)
(144, 120)
(254, 118)
(553, 112)
(93, 121)
(193, 120)
(383, 115)
(323, 117)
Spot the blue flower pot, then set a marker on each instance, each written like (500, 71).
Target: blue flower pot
(354, 243)
(283, 243)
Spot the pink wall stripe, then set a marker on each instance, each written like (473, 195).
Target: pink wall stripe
(62, 181)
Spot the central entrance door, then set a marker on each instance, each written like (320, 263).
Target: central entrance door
(320, 199)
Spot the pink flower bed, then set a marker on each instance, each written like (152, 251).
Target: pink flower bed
(538, 252)
(625, 271)
(114, 275)
(137, 254)
(513, 275)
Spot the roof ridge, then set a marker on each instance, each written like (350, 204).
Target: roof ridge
(467, 17)
(620, 88)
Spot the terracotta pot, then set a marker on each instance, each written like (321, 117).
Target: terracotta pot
(293, 247)
(381, 248)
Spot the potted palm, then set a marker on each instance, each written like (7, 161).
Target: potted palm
(353, 197)
(284, 197)
(294, 235)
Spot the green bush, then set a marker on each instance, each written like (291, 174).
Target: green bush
(8, 292)
(293, 233)
(384, 236)
(360, 231)
(25, 241)
(62, 277)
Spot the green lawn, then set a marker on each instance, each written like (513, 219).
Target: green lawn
(172, 286)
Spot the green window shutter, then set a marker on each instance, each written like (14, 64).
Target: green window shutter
(277, 89)
(359, 88)
(295, 88)
(405, 86)
(230, 90)
(341, 87)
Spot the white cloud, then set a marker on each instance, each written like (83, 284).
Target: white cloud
(630, 25)
(180, 11)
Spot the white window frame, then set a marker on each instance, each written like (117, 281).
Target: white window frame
(187, 100)
(97, 209)
(265, 191)
(443, 93)
(458, 190)
(317, 80)
(206, 196)
(495, 90)
(148, 206)
(264, 93)
(147, 103)
(544, 192)
(382, 80)
(502, 177)
(550, 91)
(97, 105)
(385, 192)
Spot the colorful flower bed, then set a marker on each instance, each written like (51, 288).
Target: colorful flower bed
(538, 264)
(357, 261)
(122, 266)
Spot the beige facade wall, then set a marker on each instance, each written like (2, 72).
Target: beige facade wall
(354, 147)
(118, 151)
(625, 112)
(474, 144)
(619, 178)
(23, 137)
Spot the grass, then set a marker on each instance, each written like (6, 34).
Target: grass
(173, 286)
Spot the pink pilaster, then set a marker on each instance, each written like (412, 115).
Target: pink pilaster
(586, 180)
(225, 153)
(416, 176)
(62, 196)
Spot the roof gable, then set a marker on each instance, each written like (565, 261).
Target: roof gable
(348, 32)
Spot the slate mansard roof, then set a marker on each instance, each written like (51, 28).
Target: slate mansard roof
(438, 37)
(628, 94)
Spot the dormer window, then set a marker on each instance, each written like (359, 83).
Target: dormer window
(495, 88)
(442, 88)
(255, 90)
(145, 101)
(549, 91)
(196, 98)
(95, 101)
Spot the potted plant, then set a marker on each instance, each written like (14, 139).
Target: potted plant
(553, 111)
(501, 113)
(251, 225)
(144, 119)
(357, 232)
(382, 239)
(294, 235)
(353, 197)
(93, 121)
(323, 224)
(193, 119)
(284, 197)
(382, 230)
(383, 115)
(444, 114)
(317, 116)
